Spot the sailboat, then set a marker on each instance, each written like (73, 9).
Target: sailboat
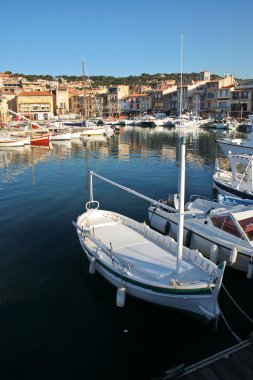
(37, 135)
(144, 264)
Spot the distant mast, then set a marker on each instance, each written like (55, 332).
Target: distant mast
(181, 82)
(83, 93)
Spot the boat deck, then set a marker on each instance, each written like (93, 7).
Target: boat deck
(149, 259)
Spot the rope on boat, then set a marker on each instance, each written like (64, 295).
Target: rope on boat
(243, 312)
(230, 329)
(153, 201)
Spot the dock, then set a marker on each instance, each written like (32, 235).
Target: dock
(234, 363)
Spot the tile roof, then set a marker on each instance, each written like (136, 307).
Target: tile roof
(35, 93)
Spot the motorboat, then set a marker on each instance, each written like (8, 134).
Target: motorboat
(143, 263)
(238, 181)
(220, 232)
(191, 121)
(236, 145)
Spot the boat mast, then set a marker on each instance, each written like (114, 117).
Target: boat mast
(83, 93)
(180, 232)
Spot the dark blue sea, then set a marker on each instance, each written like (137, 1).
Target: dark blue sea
(59, 322)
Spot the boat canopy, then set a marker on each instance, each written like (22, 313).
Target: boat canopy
(245, 219)
(238, 222)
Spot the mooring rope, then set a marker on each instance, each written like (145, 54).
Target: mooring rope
(232, 332)
(243, 312)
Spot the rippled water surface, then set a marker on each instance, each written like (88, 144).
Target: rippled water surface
(59, 322)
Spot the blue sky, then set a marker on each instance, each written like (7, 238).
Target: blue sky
(130, 37)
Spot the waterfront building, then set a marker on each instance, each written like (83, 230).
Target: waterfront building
(37, 85)
(223, 100)
(241, 99)
(10, 83)
(35, 105)
(4, 116)
(136, 104)
(62, 100)
(76, 100)
(95, 104)
(164, 100)
(114, 95)
(211, 93)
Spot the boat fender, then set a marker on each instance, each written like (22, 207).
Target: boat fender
(250, 270)
(214, 251)
(92, 267)
(233, 256)
(173, 282)
(121, 296)
(188, 238)
(167, 228)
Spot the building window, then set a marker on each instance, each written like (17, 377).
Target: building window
(244, 95)
(222, 106)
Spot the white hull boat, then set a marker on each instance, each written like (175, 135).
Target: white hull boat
(92, 131)
(58, 136)
(6, 141)
(145, 264)
(76, 134)
(239, 181)
(237, 145)
(191, 121)
(218, 231)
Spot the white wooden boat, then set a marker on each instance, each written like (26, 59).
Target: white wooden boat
(9, 141)
(142, 263)
(147, 265)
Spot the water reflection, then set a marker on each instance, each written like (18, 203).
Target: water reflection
(43, 282)
(160, 143)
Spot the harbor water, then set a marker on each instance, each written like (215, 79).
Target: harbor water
(57, 320)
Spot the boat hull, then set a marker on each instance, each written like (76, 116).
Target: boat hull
(229, 190)
(93, 131)
(196, 238)
(40, 141)
(185, 303)
(227, 147)
(61, 136)
(146, 269)
(11, 143)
